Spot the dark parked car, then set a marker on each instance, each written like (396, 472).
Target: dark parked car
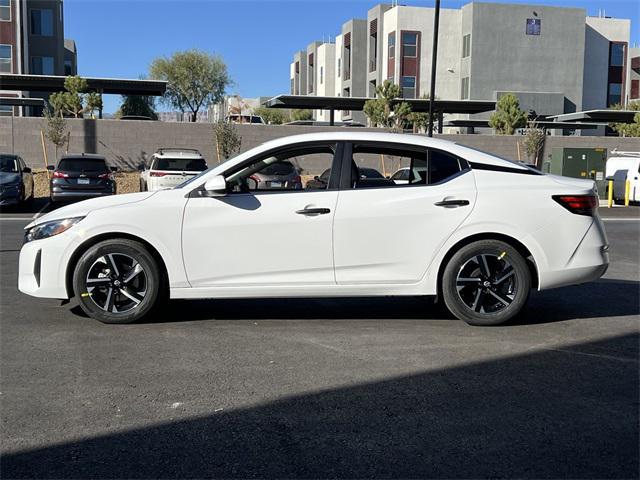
(16, 180)
(81, 176)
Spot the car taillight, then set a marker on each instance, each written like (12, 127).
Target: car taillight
(58, 174)
(106, 176)
(578, 204)
(157, 174)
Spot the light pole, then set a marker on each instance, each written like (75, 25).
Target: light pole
(434, 60)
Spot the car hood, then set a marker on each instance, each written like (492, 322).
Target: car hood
(7, 178)
(81, 209)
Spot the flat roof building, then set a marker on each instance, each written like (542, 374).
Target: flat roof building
(556, 59)
(32, 42)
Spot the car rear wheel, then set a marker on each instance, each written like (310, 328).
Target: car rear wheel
(486, 283)
(118, 281)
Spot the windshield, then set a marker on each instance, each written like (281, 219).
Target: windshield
(181, 164)
(8, 164)
(82, 165)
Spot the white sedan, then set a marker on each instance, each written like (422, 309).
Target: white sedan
(476, 230)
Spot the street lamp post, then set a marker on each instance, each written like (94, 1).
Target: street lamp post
(434, 60)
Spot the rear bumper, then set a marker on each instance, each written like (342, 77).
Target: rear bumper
(59, 194)
(588, 262)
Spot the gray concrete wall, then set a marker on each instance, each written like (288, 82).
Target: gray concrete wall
(504, 58)
(127, 143)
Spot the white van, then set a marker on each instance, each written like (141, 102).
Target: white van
(623, 166)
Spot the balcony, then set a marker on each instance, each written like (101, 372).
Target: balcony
(373, 65)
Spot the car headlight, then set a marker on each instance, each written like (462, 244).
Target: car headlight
(49, 229)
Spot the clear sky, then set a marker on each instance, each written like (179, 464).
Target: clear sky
(256, 38)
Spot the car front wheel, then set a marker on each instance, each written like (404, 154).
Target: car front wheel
(118, 281)
(486, 283)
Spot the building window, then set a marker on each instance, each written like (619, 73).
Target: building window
(292, 86)
(42, 65)
(373, 45)
(42, 22)
(5, 10)
(321, 74)
(635, 89)
(346, 93)
(408, 85)
(338, 67)
(311, 74)
(615, 94)
(464, 89)
(6, 110)
(533, 26)
(6, 65)
(68, 68)
(409, 44)
(616, 55)
(466, 45)
(392, 56)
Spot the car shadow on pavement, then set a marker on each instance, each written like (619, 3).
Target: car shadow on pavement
(565, 413)
(29, 208)
(603, 298)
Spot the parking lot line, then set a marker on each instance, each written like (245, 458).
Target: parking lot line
(22, 219)
(620, 219)
(39, 212)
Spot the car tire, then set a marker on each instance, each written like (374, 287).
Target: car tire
(119, 281)
(486, 283)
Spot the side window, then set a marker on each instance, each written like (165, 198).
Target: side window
(297, 169)
(380, 166)
(442, 166)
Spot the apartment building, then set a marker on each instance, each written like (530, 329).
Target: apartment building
(32, 42)
(556, 59)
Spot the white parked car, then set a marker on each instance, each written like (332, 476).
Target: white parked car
(170, 167)
(623, 166)
(480, 233)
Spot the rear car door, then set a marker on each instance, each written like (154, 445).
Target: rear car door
(388, 233)
(264, 234)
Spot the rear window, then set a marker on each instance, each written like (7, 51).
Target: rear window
(82, 165)
(8, 164)
(280, 168)
(181, 164)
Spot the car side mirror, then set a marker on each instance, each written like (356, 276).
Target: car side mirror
(216, 186)
(26, 170)
(316, 177)
(51, 167)
(114, 169)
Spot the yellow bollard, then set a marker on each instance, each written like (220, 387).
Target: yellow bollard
(627, 188)
(610, 192)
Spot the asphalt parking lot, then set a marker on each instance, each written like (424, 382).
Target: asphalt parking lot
(325, 388)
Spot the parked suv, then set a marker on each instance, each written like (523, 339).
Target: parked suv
(81, 176)
(170, 167)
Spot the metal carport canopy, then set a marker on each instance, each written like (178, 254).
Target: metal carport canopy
(357, 103)
(478, 123)
(602, 115)
(54, 83)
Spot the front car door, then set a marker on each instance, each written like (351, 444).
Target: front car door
(271, 229)
(387, 232)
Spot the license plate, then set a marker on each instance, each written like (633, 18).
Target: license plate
(276, 184)
(83, 181)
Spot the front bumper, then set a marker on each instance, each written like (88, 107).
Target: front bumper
(42, 267)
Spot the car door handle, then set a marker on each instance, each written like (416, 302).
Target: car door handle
(314, 211)
(452, 203)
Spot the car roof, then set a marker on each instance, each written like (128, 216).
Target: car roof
(80, 156)
(186, 153)
(386, 137)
